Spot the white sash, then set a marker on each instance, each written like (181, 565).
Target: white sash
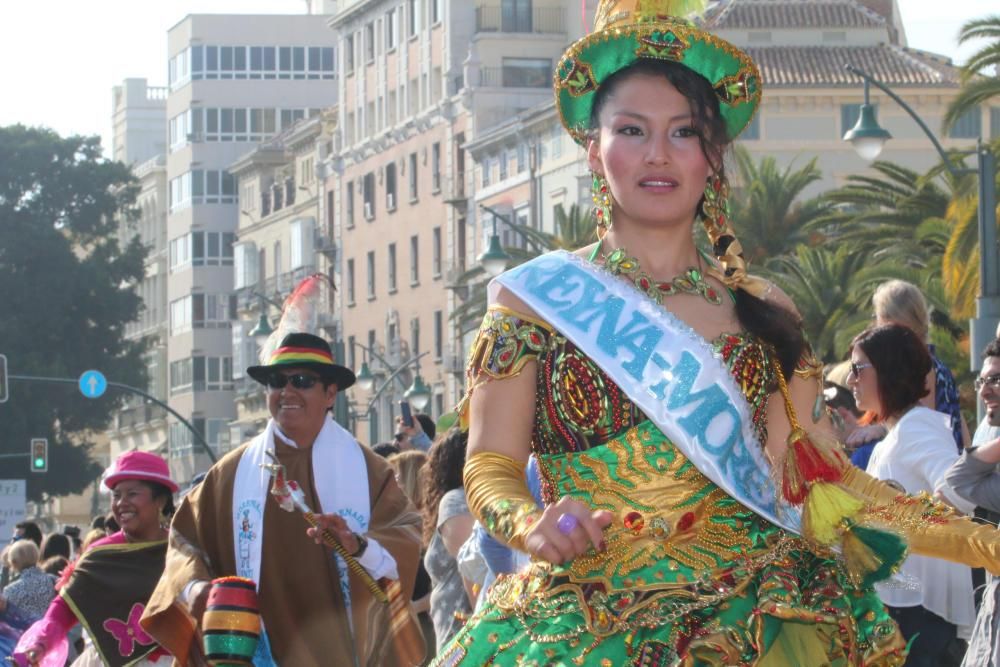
(340, 475)
(668, 371)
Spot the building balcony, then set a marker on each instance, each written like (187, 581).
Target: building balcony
(511, 76)
(507, 19)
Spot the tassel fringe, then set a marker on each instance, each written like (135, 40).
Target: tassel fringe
(808, 462)
(871, 554)
(826, 509)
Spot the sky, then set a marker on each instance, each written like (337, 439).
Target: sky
(62, 57)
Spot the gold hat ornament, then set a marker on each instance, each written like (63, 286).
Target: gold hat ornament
(627, 30)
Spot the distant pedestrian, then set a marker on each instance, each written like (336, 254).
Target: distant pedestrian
(28, 530)
(386, 449)
(418, 436)
(55, 544)
(447, 525)
(34, 589)
(976, 477)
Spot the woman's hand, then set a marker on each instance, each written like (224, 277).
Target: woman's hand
(550, 540)
(337, 527)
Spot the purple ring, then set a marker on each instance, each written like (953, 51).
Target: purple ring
(566, 523)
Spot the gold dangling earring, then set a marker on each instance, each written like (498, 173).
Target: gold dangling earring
(600, 193)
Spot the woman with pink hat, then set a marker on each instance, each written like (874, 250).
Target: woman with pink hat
(107, 588)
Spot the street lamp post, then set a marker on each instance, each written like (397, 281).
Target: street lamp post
(494, 259)
(868, 139)
(418, 393)
(263, 328)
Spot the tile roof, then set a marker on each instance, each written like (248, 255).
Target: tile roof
(785, 66)
(779, 14)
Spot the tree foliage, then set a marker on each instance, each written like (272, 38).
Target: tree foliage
(977, 89)
(767, 208)
(67, 289)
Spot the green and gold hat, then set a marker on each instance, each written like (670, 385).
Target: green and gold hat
(627, 30)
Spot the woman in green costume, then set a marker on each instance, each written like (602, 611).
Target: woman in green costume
(640, 556)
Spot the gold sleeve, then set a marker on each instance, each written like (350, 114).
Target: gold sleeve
(930, 527)
(498, 496)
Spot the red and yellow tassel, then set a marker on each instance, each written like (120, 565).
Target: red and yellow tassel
(806, 463)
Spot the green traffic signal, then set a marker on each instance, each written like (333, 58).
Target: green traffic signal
(39, 455)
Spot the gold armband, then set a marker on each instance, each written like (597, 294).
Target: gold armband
(498, 496)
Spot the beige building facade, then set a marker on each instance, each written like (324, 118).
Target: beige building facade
(418, 80)
(281, 239)
(139, 123)
(810, 100)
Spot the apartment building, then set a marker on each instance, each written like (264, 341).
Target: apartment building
(524, 170)
(281, 239)
(234, 81)
(139, 140)
(418, 79)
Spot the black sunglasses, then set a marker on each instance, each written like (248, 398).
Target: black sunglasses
(298, 380)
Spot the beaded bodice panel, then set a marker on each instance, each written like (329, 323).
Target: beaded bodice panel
(577, 406)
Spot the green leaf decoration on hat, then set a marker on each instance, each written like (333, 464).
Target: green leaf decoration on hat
(580, 78)
(662, 45)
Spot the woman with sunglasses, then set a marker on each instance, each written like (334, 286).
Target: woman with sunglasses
(889, 365)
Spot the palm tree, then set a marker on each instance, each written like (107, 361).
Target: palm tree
(573, 229)
(764, 207)
(907, 221)
(976, 89)
(960, 264)
(887, 211)
(824, 285)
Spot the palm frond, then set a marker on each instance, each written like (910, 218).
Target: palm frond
(971, 95)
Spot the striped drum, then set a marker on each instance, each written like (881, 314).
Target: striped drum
(231, 625)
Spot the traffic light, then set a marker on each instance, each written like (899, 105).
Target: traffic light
(39, 455)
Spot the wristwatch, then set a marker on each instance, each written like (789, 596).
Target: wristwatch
(362, 545)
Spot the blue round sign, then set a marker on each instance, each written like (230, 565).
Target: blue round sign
(92, 384)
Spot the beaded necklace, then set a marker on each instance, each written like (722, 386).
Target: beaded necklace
(692, 281)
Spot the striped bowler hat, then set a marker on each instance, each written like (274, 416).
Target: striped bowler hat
(303, 350)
